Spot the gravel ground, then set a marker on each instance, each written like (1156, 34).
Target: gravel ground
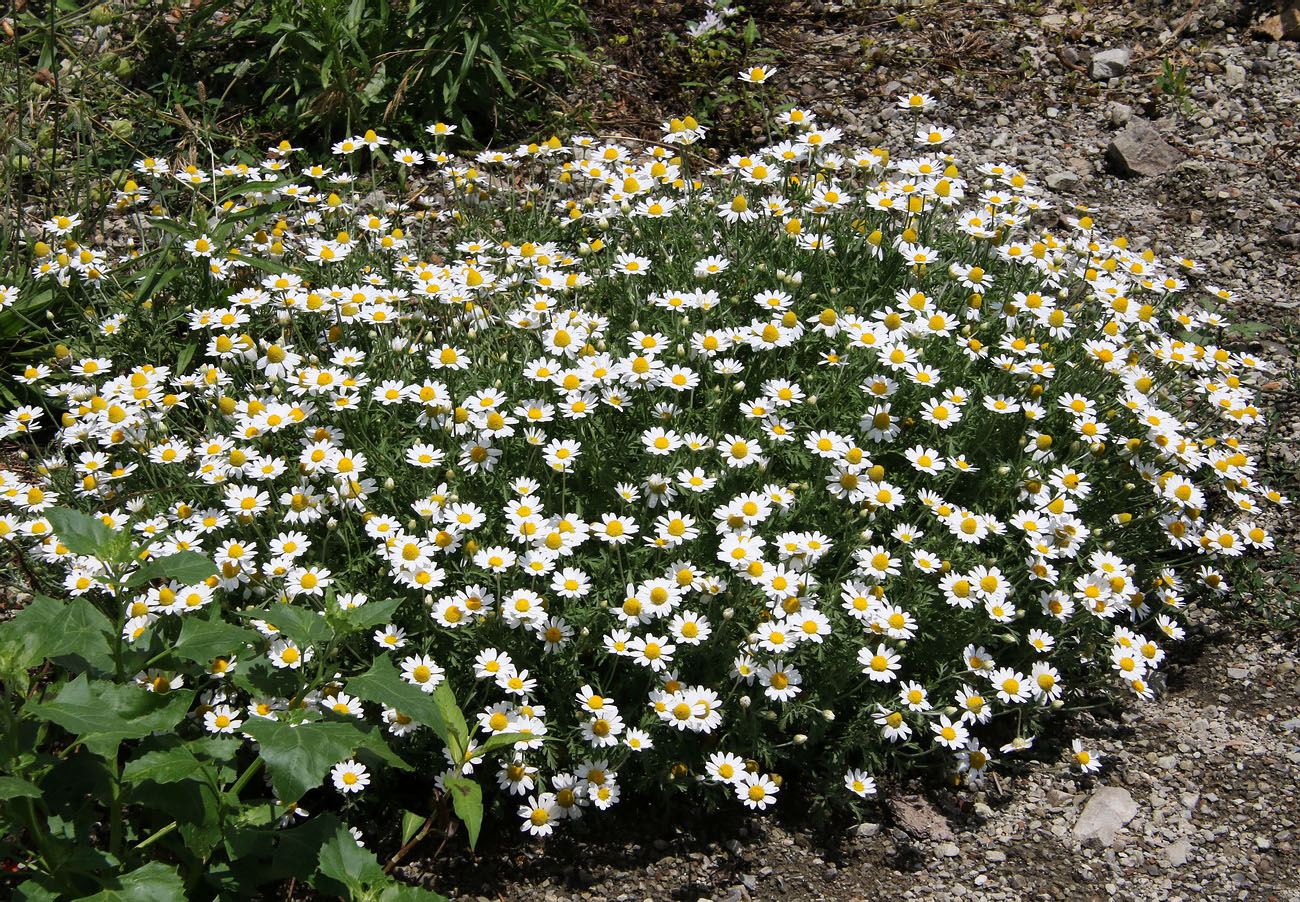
(1200, 789)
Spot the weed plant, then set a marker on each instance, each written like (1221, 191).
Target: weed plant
(373, 485)
(322, 67)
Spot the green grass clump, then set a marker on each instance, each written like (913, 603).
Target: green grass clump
(581, 470)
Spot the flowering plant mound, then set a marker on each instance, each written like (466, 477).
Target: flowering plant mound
(816, 463)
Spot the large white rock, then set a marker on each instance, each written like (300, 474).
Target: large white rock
(1109, 809)
(1110, 63)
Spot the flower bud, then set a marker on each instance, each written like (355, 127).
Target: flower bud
(800, 738)
(828, 715)
(744, 701)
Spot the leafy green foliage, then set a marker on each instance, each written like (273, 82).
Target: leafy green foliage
(202, 640)
(382, 684)
(298, 756)
(101, 714)
(467, 798)
(82, 534)
(154, 882)
(338, 66)
(705, 68)
(49, 628)
(91, 742)
(1172, 83)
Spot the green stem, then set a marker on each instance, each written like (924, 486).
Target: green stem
(156, 835)
(248, 774)
(115, 823)
(242, 781)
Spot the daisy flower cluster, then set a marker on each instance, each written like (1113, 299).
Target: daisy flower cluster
(795, 466)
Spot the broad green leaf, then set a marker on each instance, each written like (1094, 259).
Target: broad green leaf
(155, 882)
(500, 741)
(164, 766)
(184, 760)
(467, 799)
(457, 729)
(367, 615)
(411, 824)
(78, 777)
(356, 9)
(188, 567)
(51, 628)
(299, 756)
(383, 684)
(298, 850)
(259, 855)
(82, 534)
(202, 640)
(18, 788)
(304, 625)
(33, 891)
(345, 861)
(102, 714)
(375, 86)
(186, 355)
(197, 808)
